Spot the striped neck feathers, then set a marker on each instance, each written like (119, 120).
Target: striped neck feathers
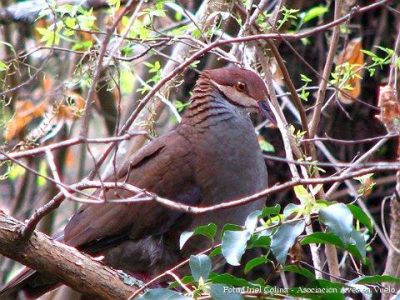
(209, 106)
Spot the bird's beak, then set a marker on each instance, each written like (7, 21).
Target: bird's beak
(266, 112)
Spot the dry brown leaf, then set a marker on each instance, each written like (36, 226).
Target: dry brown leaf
(353, 56)
(276, 72)
(71, 110)
(296, 253)
(69, 159)
(47, 83)
(25, 112)
(390, 108)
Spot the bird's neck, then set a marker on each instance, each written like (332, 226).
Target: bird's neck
(208, 105)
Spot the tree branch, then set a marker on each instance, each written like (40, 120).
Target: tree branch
(71, 267)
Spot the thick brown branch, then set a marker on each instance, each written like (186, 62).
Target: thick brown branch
(73, 268)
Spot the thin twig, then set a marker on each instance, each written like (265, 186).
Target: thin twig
(326, 73)
(67, 143)
(218, 43)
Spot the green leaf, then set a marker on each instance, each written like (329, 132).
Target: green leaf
(3, 66)
(49, 36)
(388, 51)
(259, 240)
(271, 211)
(361, 216)
(251, 264)
(15, 171)
(339, 220)
(313, 13)
(233, 245)
(185, 279)
(41, 181)
(87, 20)
(304, 95)
(229, 226)
(70, 22)
(287, 14)
(223, 292)
(292, 208)
(266, 146)
(331, 238)
(359, 242)
(200, 266)
(196, 33)
(322, 238)
(303, 195)
(165, 294)
(208, 231)
(215, 252)
(252, 220)
(66, 9)
(84, 45)
(178, 16)
(231, 280)
(369, 53)
(115, 3)
(180, 106)
(376, 279)
(299, 270)
(305, 79)
(285, 238)
(126, 78)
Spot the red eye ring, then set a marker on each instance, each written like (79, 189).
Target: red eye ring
(241, 86)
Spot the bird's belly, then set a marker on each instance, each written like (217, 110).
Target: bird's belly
(237, 182)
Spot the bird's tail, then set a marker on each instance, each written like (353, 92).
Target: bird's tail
(29, 282)
(10, 290)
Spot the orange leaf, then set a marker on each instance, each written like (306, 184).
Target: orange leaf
(353, 56)
(352, 53)
(25, 112)
(71, 110)
(69, 159)
(47, 83)
(86, 36)
(390, 108)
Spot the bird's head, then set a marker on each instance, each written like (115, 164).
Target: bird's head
(243, 88)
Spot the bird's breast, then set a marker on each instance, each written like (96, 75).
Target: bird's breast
(228, 165)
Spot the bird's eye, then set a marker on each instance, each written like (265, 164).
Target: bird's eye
(241, 86)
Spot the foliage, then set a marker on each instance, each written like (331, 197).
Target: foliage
(278, 234)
